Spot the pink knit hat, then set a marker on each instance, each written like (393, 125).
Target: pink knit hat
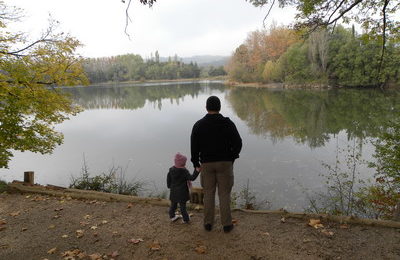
(180, 160)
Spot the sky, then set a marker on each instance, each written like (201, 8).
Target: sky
(183, 27)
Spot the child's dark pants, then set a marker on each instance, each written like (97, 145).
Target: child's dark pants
(182, 206)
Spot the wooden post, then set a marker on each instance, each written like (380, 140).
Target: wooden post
(29, 178)
(396, 215)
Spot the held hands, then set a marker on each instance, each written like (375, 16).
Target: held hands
(198, 169)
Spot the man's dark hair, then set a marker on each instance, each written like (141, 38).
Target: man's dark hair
(213, 104)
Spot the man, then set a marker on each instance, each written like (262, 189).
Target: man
(215, 143)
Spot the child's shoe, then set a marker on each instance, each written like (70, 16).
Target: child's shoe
(174, 218)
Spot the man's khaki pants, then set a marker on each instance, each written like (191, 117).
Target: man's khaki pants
(217, 175)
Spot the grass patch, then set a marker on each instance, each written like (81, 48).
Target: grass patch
(3, 186)
(114, 181)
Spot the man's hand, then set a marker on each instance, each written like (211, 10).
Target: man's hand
(198, 169)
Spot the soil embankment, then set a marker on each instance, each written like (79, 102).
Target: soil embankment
(41, 226)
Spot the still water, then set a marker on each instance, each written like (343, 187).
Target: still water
(287, 135)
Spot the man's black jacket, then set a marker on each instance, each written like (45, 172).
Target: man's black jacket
(214, 138)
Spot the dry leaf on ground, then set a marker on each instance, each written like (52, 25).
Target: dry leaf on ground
(14, 214)
(283, 220)
(155, 246)
(95, 256)
(52, 251)
(315, 223)
(113, 254)
(79, 233)
(327, 233)
(200, 249)
(235, 221)
(135, 240)
(2, 222)
(344, 226)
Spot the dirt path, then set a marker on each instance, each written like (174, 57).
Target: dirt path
(43, 227)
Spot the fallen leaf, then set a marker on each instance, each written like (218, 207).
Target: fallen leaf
(28, 196)
(283, 220)
(52, 251)
(24, 229)
(56, 216)
(81, 255)
(197, 207)
(130, 205)
(62, 201)
(93, 227)
(235, 221)
(104, 222)
(155, 246)
(95, 256)
(344, 226)
(58, 209)
(200, 249)
(2, 222)
(71, 253)
(14, 214)
(2, 228)
(113, 254)
(265, 233)
(64, 236)
(79, 233)
(135, 240)
(52, 226)
(83, 223)
(327, 233)
(315, 223)
(86, 217)
(191, 214)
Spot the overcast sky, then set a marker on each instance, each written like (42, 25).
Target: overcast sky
(182, 27)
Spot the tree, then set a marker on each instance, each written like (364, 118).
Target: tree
(30, 103)
(379, 18)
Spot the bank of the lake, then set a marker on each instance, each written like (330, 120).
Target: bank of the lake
(36, 226)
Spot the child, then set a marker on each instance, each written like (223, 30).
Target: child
(177, 181)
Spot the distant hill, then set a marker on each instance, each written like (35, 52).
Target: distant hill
(203, 60)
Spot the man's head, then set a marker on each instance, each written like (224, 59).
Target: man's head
(213, 104)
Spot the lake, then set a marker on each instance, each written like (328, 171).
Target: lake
(287, 135)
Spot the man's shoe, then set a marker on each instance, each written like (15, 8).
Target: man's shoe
(228, 229)
(208, 227)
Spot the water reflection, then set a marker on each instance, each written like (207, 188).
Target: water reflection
(135, 96)
(286, 133)
(312, 117)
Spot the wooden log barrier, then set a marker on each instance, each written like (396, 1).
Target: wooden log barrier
(196, 195)
(29, 177)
